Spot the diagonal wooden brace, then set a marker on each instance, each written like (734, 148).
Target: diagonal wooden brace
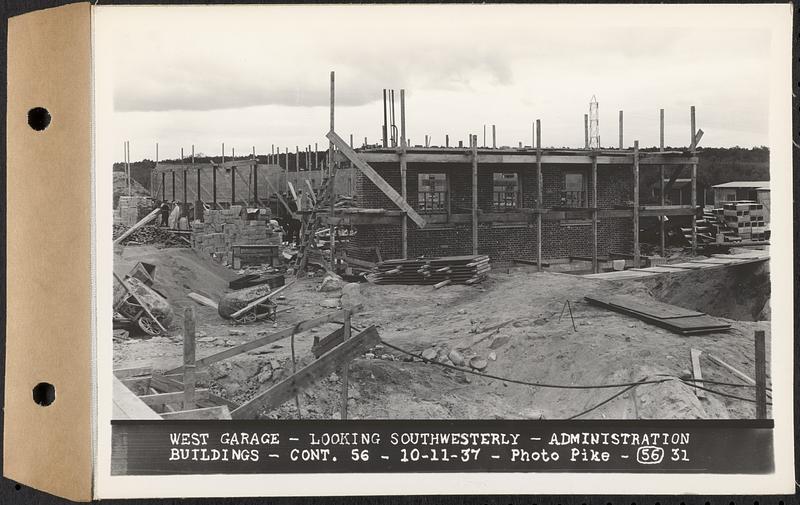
(376, 179)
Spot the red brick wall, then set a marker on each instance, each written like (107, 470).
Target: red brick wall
(500, 241)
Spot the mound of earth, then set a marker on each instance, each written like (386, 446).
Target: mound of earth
(516, 320)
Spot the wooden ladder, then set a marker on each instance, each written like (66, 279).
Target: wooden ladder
(310, 227)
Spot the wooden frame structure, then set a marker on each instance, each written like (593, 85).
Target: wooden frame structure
(176, 387)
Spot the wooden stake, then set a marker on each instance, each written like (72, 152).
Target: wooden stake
(636, 253)
(694, 185)
(761, 374)
(539, 203)
(403, 172)
(697, 374)
(345, 367)
(474, 145)
(494, 136)
(255, 175)
(332, 183)
(620, 130)
(595, 265)
(662, 225)
(189, 367)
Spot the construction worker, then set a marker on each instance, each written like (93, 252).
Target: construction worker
(165, 210)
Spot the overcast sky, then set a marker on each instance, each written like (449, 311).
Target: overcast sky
(259, 76)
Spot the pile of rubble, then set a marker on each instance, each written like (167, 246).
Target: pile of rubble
(154, 235)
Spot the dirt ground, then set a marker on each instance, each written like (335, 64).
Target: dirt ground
(511, 320)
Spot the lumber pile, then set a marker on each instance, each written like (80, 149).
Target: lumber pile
(438, 272)
(664, 315)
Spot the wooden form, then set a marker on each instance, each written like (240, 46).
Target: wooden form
(319, 369)
(333, 352)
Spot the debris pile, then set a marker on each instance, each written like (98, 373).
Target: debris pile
(437, 271)
(155, 235)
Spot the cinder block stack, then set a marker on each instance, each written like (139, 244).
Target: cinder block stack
(746, 218)
(225, 228)
(131, 209)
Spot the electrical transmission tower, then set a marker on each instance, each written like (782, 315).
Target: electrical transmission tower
(594, 124)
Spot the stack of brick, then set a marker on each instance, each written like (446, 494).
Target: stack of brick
(747, 219)
(131, 209)
(225, 228)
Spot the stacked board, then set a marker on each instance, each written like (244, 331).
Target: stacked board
(432, 271)
(664, 315)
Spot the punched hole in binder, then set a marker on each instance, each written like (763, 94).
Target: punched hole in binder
(44, 394)
(39, 118)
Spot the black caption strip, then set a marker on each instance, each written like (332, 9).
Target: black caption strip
(243, 447)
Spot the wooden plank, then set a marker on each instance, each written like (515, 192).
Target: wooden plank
(539, 198)
(154, 400)
(261, 300)
(202, 300)
(319, 369)
(527, 159)
(168, 385)
(731, 369)
(217, 412)
(697, 374)
(442, 284)
(328, 342)
(651, 308)
(138, 225)
(127, 405)
(125, 373)
(267, 339)
(376, 179)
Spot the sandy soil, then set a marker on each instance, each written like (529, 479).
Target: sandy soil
(512, 317)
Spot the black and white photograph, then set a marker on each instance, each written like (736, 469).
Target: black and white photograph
(521, 214)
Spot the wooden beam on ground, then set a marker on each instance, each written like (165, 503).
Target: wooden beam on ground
(376, 179)
(260, 300)
(267, 339)
(158, 399)
(319, 369)
(731, 369)
(168, 385)
(202, 300)
(126, 373)
(126, 405)
(697, 374)
(218, 412)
